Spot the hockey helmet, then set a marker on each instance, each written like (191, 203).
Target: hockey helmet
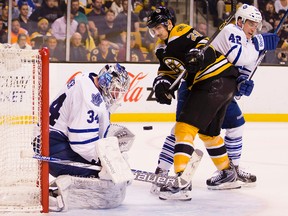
(114, 82)
(160, 16)
(249, 12)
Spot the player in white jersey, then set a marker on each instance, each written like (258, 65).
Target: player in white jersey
(239, 45)
(79, 120)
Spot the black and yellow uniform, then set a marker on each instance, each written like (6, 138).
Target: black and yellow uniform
(211, 90)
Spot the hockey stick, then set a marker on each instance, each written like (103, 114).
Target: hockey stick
(202, 51)
(140, 175)
(263, 53)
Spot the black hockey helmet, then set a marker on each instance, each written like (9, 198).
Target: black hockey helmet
(160, 16)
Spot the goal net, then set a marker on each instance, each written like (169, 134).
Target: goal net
(24, 118)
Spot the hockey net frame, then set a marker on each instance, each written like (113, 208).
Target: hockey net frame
(17, 194)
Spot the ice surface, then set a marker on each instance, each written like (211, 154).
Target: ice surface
(264, 153)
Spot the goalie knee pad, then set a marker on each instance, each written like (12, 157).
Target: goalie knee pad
(87, 193)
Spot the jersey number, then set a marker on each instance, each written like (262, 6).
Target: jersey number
(235, 39)
(92, 117)
(54, 109)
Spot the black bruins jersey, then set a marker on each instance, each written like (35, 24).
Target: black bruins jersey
(171, 55)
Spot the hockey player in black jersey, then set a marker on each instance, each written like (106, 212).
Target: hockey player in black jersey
(212, 84)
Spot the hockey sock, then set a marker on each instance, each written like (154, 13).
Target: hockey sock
(166, 155)
(184, 147)
(217, 151)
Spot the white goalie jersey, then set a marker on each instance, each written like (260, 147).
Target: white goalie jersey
(79, 112)
(232, 42)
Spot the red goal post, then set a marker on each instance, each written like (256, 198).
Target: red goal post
(24, 128)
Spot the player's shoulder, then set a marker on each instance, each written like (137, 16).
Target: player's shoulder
(180, 30)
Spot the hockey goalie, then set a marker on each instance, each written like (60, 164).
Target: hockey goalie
(80, 131)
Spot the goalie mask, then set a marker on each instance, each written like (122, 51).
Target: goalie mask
(249, 12)
(114, 82)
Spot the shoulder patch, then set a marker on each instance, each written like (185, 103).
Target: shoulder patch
(71, 83)
(96, 99)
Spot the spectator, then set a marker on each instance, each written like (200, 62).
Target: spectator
(3, 33)
(24, 17)
(87, 39)
(117, 7)
(16, 30)
(136, 54)
(104, 53)
(79, 16)
(266, 27)
(280, 5)
(269, 12)
(29, 3)
(39, 37)
(95, 18)
(111, 30)
(4, 17)
(49, 10)
(221, 10)
(56, 52)
(78, 53)
(21, 42)
(121, 19)
(145, 11)
(59, 26)
(202, 28)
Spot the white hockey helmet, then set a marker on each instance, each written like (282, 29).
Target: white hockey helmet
(249, 12)
(114, 82)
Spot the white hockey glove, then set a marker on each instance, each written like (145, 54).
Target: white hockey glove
(124, 135)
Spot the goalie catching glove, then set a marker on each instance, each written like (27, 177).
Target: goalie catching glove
(161, 87)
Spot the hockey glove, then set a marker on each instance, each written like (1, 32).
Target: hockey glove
(194, 60)
(266, 41)
(161, 88)
(244, 85)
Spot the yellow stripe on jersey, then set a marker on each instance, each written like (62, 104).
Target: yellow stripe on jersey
(217, 67)
(178, 31)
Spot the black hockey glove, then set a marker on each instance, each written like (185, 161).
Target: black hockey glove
(194, 60)
(161, 88)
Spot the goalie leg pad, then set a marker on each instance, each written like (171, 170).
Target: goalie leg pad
(113, 163)
(88, 193)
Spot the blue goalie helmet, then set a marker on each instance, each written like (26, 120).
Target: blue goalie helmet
(114, 82)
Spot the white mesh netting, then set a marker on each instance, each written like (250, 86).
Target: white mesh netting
(20, 98)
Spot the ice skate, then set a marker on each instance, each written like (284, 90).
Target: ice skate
(176, 193)
(223, 180)
(245, 179)
(155, 188)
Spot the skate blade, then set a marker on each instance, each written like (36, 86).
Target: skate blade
(225, 186)
(186, 196)
(247, 184)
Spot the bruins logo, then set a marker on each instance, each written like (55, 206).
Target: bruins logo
(180, 27)
(174, 64)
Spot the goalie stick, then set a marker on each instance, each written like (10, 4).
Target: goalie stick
(140, 175)
(227, 21)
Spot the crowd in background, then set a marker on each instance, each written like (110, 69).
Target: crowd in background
(98, 28)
